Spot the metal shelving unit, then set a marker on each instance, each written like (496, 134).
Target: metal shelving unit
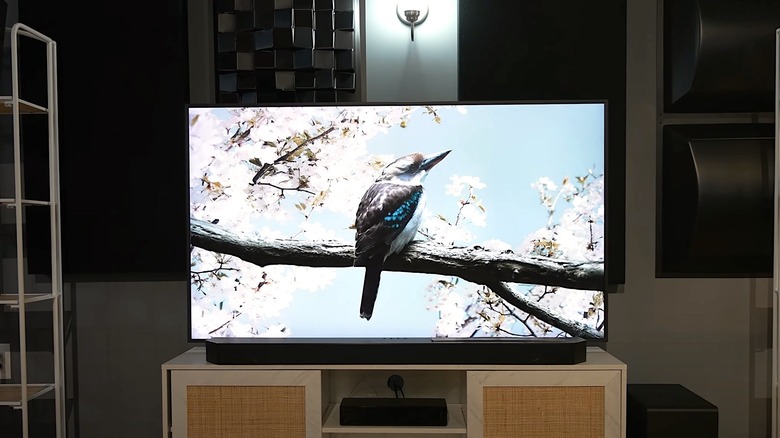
(18, 395)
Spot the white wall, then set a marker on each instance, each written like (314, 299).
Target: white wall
(399, 70)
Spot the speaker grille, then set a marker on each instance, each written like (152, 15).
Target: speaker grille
(543, 411)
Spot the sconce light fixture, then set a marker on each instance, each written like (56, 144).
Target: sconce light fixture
(412, 12)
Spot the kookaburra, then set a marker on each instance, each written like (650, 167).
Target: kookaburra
(388, 217)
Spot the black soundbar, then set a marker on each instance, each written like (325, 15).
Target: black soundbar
(395, 351)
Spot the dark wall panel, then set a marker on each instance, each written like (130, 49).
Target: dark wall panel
(715, 201)
(122, 95)
(554, 50)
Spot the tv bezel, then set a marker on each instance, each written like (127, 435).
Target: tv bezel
(608, 289)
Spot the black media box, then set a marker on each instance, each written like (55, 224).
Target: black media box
(393, 412)
(668, 411)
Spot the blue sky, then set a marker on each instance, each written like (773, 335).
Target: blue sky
(508, 147)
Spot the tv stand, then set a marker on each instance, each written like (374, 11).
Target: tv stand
(202, 399)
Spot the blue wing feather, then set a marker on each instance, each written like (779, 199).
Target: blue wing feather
(382, 215)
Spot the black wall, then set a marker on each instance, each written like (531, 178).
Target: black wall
(554, 50)
(122, 77)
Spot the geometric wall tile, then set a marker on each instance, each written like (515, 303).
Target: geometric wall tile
(226, 61)
(283, 18)
(345, 81)
(324, 79)
(343, 5)
(224, 6)
(245, 61)
(303, 59)
(285, 80)
(323, 5)
(343, 20)
(264, 19)
(305, 96)
(226, 23)
(304, 80)
(264, 39)
(286, 96)
(345, 96)
(245, 20)
(344, 40)
(303, 37)
(283, 38)
(243, 41)
(248, 97)
(325, 95)
(284, 59)
(265, 59)
(226, 42)
(324, 59)
(228, 82)
(246, 81)
(303, 18)
(323, 20)
(345, 60)
(323, 39)
(266, 80)
(227, 98)
(244, 5)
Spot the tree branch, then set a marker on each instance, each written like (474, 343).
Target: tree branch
(574, 328)
(472, 264)
(490, 268)
(260, 173)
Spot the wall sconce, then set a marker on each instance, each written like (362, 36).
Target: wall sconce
(412, 12)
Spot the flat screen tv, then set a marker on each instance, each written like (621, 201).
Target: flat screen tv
(510, 231)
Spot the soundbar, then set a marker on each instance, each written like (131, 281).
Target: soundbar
(395, 351)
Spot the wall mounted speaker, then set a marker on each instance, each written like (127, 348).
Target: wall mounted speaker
(719, 58)
(715, 201)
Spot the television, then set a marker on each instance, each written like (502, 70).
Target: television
(510, 242)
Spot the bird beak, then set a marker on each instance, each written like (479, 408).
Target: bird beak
(431, 160)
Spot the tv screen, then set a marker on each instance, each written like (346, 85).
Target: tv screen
(477, 219)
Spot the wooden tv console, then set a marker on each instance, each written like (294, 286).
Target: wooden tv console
(201, 399)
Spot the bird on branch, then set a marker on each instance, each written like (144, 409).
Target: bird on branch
(388, 217)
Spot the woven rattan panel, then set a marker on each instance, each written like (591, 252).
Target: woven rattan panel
(543, 411)
(246, 411)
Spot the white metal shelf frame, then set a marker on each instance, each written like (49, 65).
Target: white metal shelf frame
(775, 416)
(19, 395)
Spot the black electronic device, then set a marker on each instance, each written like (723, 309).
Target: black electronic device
(328, 351)
(668, 411)
(379, 411)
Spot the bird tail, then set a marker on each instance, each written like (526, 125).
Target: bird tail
(370, 290)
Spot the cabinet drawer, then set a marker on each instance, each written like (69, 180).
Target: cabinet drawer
(244, 404)
(539, 404)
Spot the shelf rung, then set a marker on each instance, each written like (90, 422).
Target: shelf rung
(25, 107)
(11, 393)
(13, 299)
(9, 202)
